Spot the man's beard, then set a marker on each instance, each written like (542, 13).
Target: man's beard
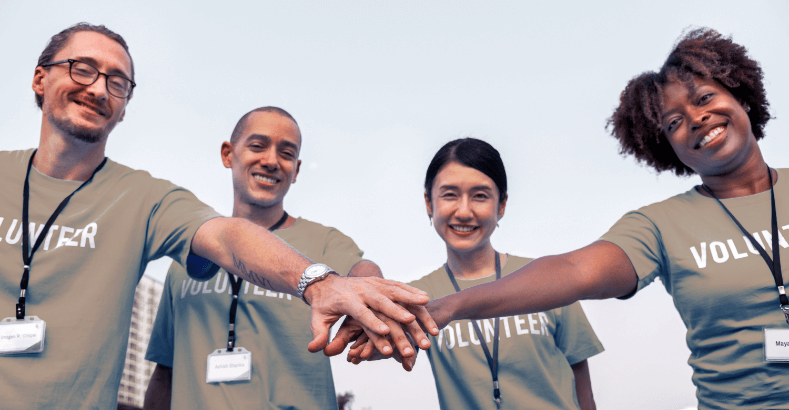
(68, 128)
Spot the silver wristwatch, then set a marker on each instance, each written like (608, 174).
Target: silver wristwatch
(313, 273)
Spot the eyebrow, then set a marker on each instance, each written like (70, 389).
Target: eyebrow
(94, 62)
(474, 188)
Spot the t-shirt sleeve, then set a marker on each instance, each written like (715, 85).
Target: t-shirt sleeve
(574, 335)
(175, 217)
(340, 252)
(641, 241)
(160, 345)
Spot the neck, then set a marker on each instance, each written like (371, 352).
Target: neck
(473, 264)
(66, 158)
(751, 178)
(262, 216)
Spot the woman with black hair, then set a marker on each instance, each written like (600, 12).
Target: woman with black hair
(536, 360)
(716, 248)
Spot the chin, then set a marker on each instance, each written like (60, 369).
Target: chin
(76, 132)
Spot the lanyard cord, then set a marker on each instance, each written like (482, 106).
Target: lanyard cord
(493, 362)
(27, 253)
(235, 284)
(775, 263)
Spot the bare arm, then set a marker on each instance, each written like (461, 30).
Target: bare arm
(583, 385)
(159, 392)
(258, 256)
(599, 271)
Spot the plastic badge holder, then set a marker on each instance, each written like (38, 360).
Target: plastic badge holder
(22, 336)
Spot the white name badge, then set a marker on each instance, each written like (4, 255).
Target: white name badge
(22, 336)
(776, 345)
(224, 366)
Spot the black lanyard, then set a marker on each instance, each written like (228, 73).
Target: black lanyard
(27, 253)
(493, 362)
(775, 263)
(235, 284)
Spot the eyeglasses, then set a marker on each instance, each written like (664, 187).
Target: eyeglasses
(86, 74)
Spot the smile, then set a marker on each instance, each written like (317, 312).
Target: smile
(90, 107)
(266, 179)
(463, 228)
(714, 133)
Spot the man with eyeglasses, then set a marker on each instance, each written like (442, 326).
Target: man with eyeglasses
(86, 227)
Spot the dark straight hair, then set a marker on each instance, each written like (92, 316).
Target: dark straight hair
(472, 153)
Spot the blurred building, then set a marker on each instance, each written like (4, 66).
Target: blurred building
(137, 371)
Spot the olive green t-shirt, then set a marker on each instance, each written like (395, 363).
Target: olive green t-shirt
(83, 277)
(722, 288)
(535, 352)
(192, 322)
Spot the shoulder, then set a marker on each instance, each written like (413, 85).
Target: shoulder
(306, 228)
(13, 162)
(430, 282)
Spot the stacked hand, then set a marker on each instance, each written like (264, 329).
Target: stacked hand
(406, 336)
(381, 309)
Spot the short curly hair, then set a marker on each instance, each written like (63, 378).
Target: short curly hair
(701, 52)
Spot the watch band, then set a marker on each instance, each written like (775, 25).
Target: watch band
(313, 273)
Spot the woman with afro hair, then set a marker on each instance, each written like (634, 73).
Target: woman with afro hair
(702, 113)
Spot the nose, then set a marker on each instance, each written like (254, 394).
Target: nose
(698, 118)
(463, 211)
(99, 87)
(268, 158)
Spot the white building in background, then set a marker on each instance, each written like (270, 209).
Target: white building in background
(137, 371)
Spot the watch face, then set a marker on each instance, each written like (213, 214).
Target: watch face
(316, 270)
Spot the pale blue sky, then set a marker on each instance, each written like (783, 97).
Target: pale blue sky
(377, 88)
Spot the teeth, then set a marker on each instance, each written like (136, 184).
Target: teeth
(463, 228)
(266, 179)
(709, 137)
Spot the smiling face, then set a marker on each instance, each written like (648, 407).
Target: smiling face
(87, 113)
(707, 127)
(465, 207)
(265, 159)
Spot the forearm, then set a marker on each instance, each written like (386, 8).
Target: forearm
(598, 271)
(250, 252)
(583, 385)
(159, 392)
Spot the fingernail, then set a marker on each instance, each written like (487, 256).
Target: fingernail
(387, 349)
(435, 330)
(408, 350)
(424, 343)
(407, 316)
(383, 329)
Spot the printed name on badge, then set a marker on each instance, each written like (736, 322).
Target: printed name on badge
(224, 366)
(22, 336)
(776, 345)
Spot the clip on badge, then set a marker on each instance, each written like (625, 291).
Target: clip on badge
(21, 336)
(226, 366)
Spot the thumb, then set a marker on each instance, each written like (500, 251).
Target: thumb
(320, 335)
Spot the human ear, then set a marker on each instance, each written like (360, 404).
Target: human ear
(503, 206)
(38, 80)
(298, 167)
(429, 206)
(227, 153)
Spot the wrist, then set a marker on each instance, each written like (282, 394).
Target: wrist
(314, 288)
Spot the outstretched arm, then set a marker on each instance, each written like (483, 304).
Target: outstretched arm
(258, 256)
(583, 385)
(159, 392)
(601, 270)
